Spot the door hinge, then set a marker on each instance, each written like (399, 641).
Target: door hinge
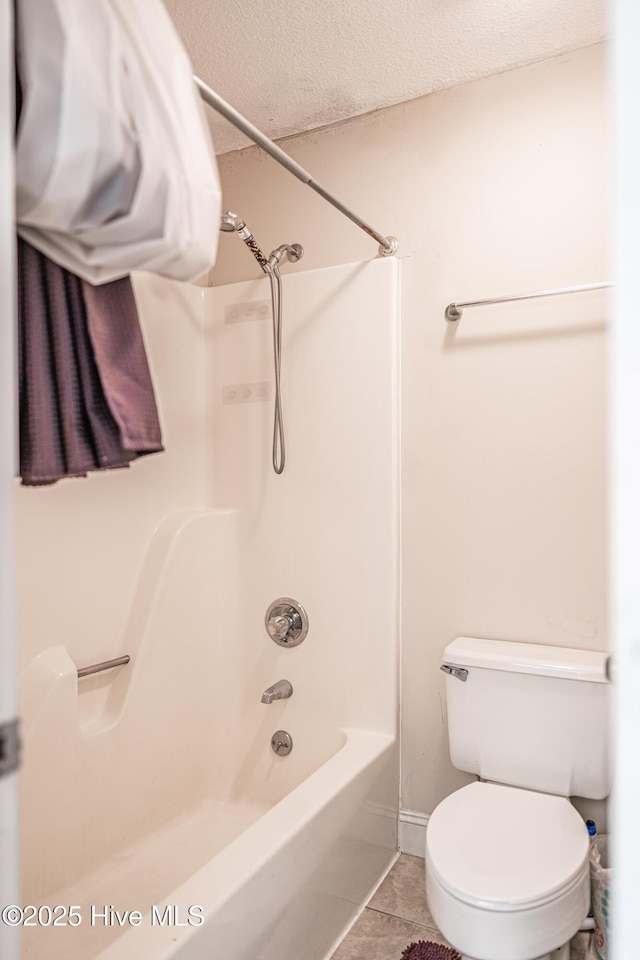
(9, 747)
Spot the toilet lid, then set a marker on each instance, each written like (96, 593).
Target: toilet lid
(505, 848)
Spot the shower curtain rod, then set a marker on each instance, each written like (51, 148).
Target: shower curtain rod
(388, 245)
(453, 311)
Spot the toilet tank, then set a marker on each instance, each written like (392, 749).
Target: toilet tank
(529, 715)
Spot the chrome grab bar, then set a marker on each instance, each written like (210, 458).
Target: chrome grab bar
(104, 665)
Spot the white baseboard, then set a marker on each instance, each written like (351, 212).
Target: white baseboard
(413, 832)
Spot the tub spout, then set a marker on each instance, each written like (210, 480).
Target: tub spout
(279, 691)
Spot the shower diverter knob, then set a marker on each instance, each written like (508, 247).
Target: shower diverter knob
(278, 627)
(286, 622)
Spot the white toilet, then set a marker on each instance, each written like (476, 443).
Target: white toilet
(507, 857)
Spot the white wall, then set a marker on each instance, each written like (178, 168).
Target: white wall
(495, 187)
(8, 693)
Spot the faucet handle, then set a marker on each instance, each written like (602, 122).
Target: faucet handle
(286, 622)
(279, 626)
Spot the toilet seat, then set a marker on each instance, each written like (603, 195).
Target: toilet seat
(506, 849)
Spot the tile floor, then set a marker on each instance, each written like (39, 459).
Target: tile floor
(397, 914)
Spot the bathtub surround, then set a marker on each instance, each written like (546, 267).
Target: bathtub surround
(123, 511)
(499, 186)
(195, 546)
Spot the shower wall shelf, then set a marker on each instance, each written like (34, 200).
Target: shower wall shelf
(103, 665)
(453, 311)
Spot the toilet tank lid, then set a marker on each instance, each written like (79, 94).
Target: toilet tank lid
(533, 658)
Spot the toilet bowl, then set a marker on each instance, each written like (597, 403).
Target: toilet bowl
(507, 872)
(507, 857)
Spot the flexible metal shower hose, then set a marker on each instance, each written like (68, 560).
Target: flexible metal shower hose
(270, 267)
(278, 450)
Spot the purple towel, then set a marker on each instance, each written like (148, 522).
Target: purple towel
(86, 397)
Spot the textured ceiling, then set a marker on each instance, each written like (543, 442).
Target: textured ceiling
(292, 65)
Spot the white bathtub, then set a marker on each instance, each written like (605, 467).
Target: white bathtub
(278, 883)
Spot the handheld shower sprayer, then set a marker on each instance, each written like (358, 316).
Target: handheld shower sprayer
(231, 223)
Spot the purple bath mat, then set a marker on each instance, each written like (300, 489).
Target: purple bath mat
(427, 950)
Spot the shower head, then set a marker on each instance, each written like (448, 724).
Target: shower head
(230, 222)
